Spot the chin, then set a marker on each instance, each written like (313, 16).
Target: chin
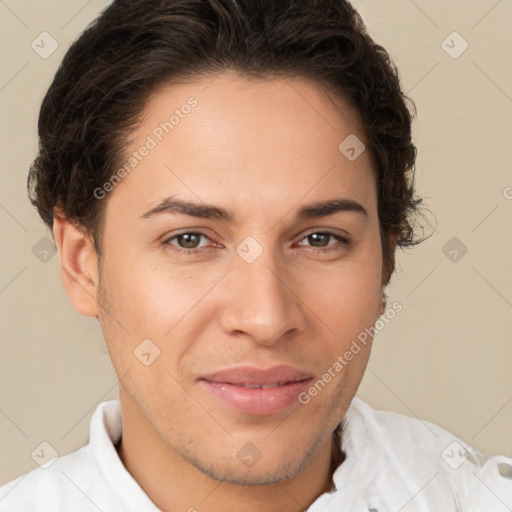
(264, 470)
(263, 475)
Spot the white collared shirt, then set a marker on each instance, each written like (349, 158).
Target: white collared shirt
(393, 463)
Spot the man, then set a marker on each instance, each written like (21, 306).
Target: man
(227, 183)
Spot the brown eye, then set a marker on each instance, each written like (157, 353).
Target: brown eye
(320, 240)
(188, 240)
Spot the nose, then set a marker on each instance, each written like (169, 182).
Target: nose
(260, 302)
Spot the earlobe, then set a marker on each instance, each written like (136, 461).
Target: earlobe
(383, 302)
(78, 264)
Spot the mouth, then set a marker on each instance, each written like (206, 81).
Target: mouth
(263, 386)
(257, 391)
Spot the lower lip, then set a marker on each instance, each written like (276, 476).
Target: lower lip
(258, 401)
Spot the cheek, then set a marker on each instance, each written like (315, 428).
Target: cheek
(347, 298)
(150, 298)
(166, 305)
(141, 320)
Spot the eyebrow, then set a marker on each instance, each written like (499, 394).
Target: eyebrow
(207, 211)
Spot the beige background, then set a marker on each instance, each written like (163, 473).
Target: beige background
(447, 355)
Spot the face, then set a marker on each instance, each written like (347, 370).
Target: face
(243, 302)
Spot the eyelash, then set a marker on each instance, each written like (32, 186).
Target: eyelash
(342, 240)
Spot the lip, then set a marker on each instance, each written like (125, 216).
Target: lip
(229, 384)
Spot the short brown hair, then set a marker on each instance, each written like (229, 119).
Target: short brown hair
(134, 46)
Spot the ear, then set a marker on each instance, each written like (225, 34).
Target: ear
(78, 265)
(387, 270)
(382, 307)
(388, 264)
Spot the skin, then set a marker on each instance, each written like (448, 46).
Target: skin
(261, 149)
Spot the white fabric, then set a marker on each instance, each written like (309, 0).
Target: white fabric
(393, 463)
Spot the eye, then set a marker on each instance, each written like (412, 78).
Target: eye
(187, 242)
(320, 240)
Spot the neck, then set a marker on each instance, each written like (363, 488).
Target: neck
(175, 485)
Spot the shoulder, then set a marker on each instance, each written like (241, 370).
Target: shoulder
(66, 480)
(76, 481)
(418, 454)
(399, 433)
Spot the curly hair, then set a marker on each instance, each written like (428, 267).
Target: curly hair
(107, 75)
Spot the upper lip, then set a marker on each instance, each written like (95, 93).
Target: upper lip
(252, 376)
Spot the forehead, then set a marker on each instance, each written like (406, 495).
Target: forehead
(233, 139)
(253, 106)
